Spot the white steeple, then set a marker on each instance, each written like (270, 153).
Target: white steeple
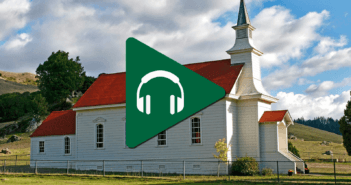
(244, 51)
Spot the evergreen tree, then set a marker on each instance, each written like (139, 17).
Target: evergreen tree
(345, 127)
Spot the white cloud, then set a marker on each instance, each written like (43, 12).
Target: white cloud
(283, 40)
(287, 76)
(324, 88)
(303, 81)
(12, 16)
(97, 30)
(328, 44)
(19, 41)
(300, 105)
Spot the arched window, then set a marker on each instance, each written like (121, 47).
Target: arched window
(195, 131)
(67, 145)
(99, 136)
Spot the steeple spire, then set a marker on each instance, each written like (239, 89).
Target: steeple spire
(243, 17)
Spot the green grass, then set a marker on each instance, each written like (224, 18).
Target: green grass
(127, 180)
(21, 147)
(313, 150)
(313, 134)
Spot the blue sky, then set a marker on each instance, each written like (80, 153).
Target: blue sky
(307, 58)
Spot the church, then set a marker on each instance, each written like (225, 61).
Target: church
(94, 130)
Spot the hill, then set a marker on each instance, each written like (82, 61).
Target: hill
(10, 87)
(313, 134)
(22, 78)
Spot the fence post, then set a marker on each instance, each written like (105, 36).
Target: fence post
(36, 169)
(142, 170)
(218, 169)
(103, 166)
(334, 173)
(16, 161)
(67, 167)
(278, 171)
(183, 169)
(4, 165)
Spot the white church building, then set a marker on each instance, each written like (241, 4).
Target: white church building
(95, 129)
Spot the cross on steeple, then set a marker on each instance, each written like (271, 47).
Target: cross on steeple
(243, 17)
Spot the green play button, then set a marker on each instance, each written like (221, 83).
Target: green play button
(161, 93)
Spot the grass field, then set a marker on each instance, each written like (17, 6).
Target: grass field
(127, 180)
(312, 134)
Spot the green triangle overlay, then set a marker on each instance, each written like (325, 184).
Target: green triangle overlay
(199, 93)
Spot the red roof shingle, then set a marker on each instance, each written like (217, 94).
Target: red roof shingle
(111, 88)
(57, 123)
(272, 116)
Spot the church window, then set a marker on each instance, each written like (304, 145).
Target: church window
(195, 131)
(67, 145)
(162, 138)
(99, 136)
(41, 147)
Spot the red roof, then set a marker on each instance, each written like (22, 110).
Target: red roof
(57, 123)
(272, 116)
(111, 88)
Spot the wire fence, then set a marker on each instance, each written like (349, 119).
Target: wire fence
(175, 168)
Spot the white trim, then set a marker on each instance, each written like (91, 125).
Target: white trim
(190, 129)
(160, 146)
(64, 145)
(99, 119)
(103, 136)
(100, 107)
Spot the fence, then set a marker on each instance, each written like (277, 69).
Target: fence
(174, 168)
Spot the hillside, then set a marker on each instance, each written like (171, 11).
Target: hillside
(22, 78)
(10, 87)
(313, 134)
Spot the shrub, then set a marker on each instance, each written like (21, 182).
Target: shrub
(245, 166)
(267, 171)
(293, 149)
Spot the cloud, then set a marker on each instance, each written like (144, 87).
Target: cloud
(287, 76)
(20, 41)
(96, 31)
(300, 105)
(303, 81)
(328, 44)
(324, 88)
(282, 39)
(12, 16)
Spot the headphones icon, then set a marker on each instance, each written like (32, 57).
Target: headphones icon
(164, 74)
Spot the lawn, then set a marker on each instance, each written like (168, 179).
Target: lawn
(118, 179)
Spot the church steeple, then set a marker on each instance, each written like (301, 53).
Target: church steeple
(244, 51)
(243, 17)
(244, 29)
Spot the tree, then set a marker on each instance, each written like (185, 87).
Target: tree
(88, 81)
(222, 148)
(345, 127)
(293, 149)
(59, 76)
(40, 107)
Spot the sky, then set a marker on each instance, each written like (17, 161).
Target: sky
(307, 53)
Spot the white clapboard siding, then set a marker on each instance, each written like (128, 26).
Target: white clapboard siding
(269, 150)
(213, 128)
(53, 150)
